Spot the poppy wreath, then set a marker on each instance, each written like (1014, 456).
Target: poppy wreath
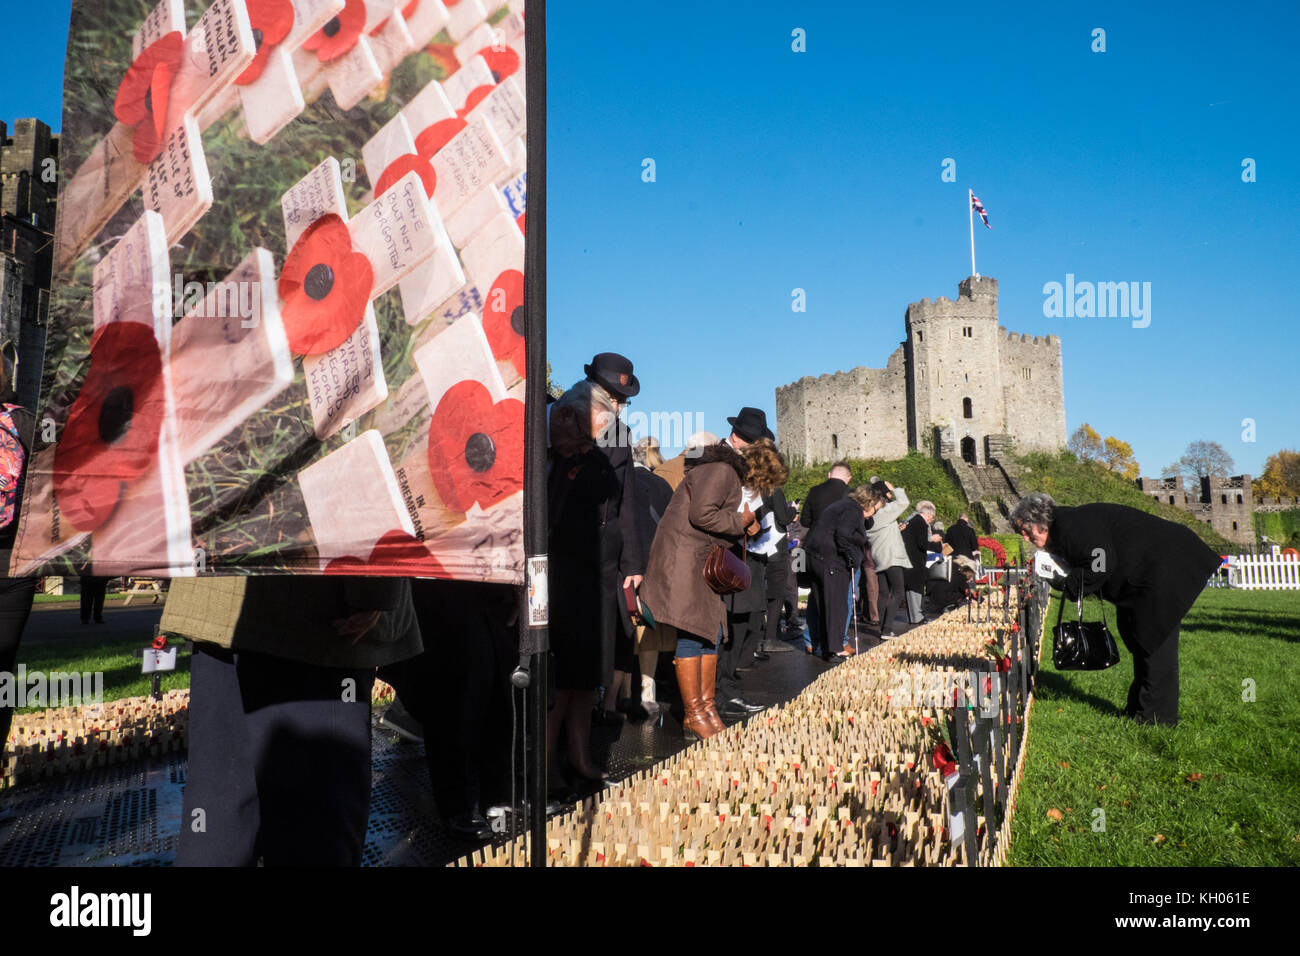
(395, 553)
(271, 21)
(503, 318)
(142, 95)
(339, 35)
(325, 287)
(111, 435)
(476, 447)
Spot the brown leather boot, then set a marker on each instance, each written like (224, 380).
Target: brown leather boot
(694, 722)
(708, 683)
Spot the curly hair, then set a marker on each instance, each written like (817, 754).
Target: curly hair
(765, 467)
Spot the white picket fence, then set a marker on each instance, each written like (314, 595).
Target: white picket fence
(1264, 572)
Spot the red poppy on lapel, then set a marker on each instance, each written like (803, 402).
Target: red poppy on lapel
(400, 167)
(339, 35)
(503, 327)
(395, 553)
(142, 95)
(325, 287)
(476, 447)
(271, 21)
(111, 436)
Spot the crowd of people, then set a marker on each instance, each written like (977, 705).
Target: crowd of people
(697, 560)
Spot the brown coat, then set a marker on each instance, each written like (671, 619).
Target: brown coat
(673, 470)
(705, 511)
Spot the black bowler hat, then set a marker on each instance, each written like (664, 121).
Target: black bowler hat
(613, 372)
(751, 424)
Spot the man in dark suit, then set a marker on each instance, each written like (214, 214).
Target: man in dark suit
(962, 538)
(820, 497)
(623, 551)
(1151, 569)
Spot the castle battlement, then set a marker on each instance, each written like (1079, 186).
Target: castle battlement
(957, 369)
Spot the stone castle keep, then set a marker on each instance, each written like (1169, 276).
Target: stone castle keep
(959, 386)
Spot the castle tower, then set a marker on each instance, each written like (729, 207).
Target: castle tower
(954, 374)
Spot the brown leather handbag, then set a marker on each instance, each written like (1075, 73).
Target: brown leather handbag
(725, 573)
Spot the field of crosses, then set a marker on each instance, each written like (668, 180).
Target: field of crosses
(908, 755)
(287, 328)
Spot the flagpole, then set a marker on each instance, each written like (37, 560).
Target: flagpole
(970, 209)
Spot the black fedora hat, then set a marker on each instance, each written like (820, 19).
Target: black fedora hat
(751, 424)
(613, 373)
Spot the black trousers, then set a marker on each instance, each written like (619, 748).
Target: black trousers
(279, 762)
(891, 596)
(15, 606)
(744, 628)
(93, 591)
(1153, 695)
(459, 689)
(831, 585)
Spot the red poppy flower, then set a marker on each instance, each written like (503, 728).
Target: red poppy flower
(502, 60)
(395, 553)
(339, 35)
(400, 167)
(408, 11)
(271, 20)
(435, 137)
(476, 447)
(503, 318)
(111, 436)
(325, 287)
(476, 96)
(1004, 665)
(142, 95)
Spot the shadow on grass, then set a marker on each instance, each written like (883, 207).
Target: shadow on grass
(1062, 688)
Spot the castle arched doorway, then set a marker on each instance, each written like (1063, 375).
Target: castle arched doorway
(968, 450)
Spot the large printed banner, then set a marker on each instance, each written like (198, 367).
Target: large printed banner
(286, 333)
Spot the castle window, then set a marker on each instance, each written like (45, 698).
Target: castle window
(920, 336)
(1238, 500)
(967, 332)
(1171, 499)
(1234, 526)
(835, 441)
(1026, 372)
(966, 377)
(966, 409)
(1223, 499)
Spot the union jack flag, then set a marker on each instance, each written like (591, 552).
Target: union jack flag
(979, 208)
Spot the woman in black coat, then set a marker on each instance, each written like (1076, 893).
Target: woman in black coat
(1151, 569)
(834, 550)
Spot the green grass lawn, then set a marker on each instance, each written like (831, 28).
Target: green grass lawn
(1220, 789)
(121, 669)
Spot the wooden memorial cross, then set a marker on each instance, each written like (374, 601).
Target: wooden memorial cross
(326, 283)
(229, 355)
(341, 56)
(165, 158)
(117, 474)
(268, 90)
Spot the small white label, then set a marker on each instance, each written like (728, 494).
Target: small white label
(155, 660)
(538, 598)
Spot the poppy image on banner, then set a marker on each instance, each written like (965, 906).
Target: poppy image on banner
(263, 347)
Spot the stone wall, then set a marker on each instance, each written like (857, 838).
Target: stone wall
(1225, 504)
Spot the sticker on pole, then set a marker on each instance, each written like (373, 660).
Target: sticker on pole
(538, 597)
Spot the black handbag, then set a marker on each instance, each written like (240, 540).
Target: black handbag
(1081, 645)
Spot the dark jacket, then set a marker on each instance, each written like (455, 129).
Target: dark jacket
(704, 511)
(292, 616)
(963, 539)
(1154, 568)
(819, 499)
(916, 538)
(840, 536)
(778, 566)
(655, 494)
(624, 550)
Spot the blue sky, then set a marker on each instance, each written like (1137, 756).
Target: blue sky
(820, 170)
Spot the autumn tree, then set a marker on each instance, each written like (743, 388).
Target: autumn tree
(1085, 443)
(1202, 459)
(1281, 475)
(1117, 456)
